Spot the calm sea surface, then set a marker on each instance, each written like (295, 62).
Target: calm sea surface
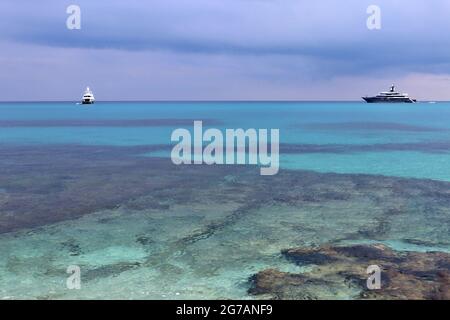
(397, 140)
(94, 186)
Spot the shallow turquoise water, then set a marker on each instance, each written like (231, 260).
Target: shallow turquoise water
(396, 137)
(76, 192)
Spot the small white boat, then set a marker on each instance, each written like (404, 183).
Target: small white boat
(88, 97)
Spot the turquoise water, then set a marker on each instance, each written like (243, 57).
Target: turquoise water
(398, 139)
(93, 186)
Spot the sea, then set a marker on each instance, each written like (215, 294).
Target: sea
(94, 186)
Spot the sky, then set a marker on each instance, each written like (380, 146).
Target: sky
(223, 49)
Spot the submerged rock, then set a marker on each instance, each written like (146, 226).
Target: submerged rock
(339, 269)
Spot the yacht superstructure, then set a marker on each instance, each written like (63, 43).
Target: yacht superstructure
(391, 96)
(88, 97)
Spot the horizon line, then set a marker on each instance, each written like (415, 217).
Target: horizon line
(196, 101)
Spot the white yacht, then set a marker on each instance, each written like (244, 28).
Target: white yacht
(88, 97)
(390, 96)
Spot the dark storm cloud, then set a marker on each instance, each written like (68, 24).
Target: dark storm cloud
(287, 41)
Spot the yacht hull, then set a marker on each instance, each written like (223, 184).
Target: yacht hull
(388, 100)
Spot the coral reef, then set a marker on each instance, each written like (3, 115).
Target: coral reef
(404, 275)
(201, 231)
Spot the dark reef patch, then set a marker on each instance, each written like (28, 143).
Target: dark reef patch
(376, 231)
(110, 270)
(369, 126)
(284, 285)
(404, 275)
(230, 208)
(144, 240)
(47, 184)
(105, 123)
(72, 246)
(434, 147)
(309, 256)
